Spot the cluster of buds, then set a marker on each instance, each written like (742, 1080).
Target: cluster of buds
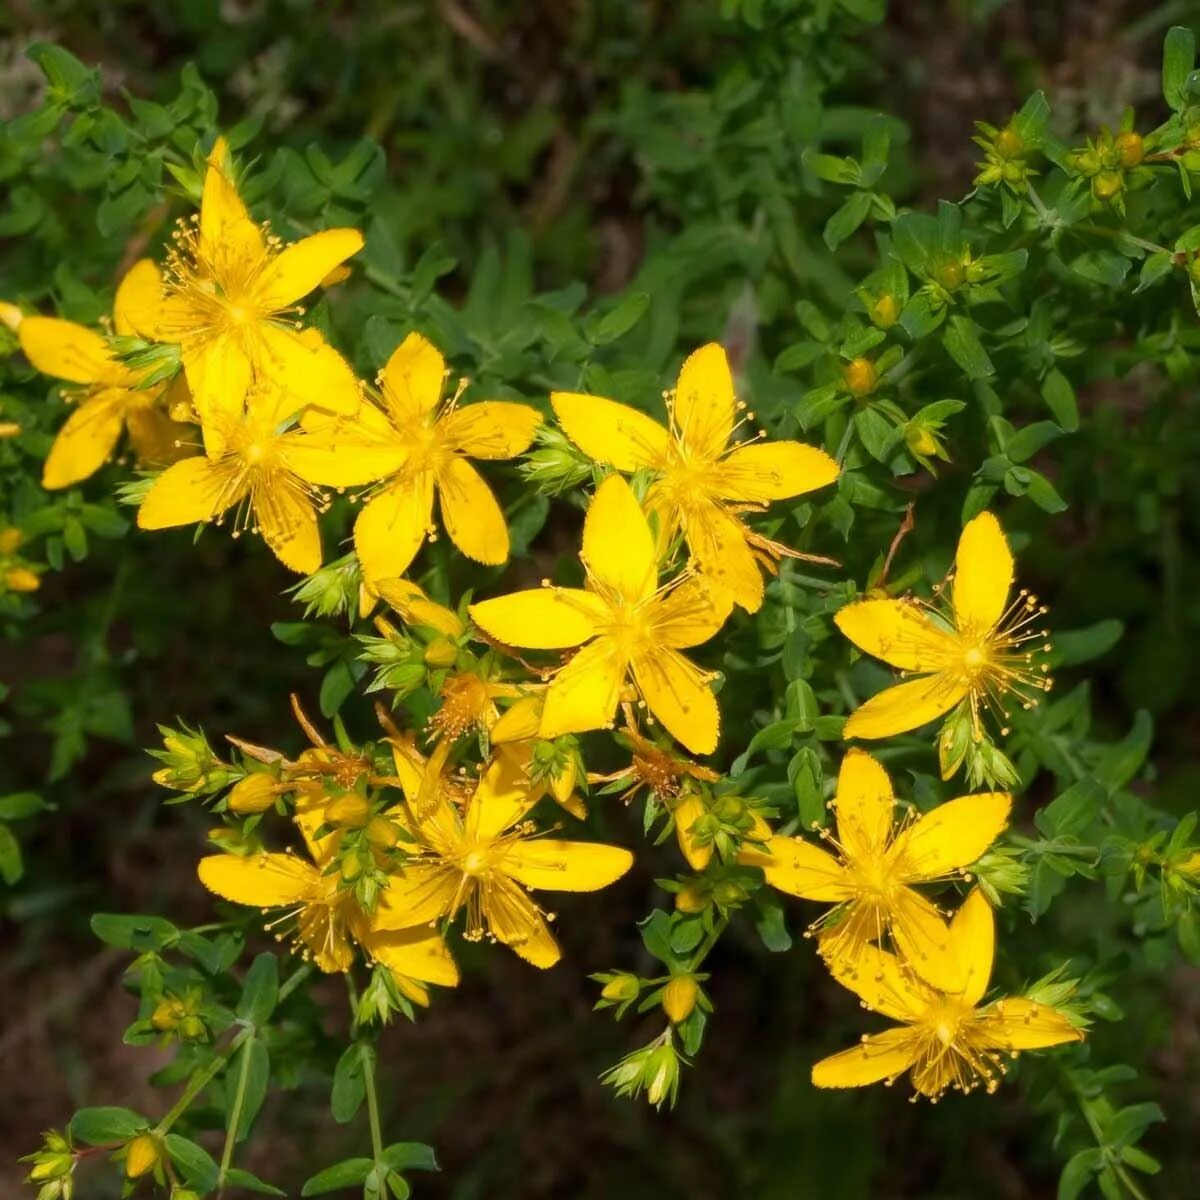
(726, 823)
(1000, 872)
(653, 1069)
(1005, 157)
(53, 1167)
(181, 1016)
(963, 742)
(16, 574)
(333, 590)
(1105, 161)
(557, 465)
(190, 764)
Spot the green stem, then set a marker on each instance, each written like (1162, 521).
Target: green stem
(199, 1082)
(293, 981)
(235, 1113)
(702, 951)
(368, 1072)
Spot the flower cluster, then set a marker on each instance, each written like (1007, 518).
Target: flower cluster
(401, 836)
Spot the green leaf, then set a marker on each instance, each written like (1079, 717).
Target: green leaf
(771, 923)
(1078, 1172)
(12, 867)
(349, 1085)
(67, 75)
(243, 1179)
(347, 1173)
(1060, 399)
(847, 219)
(410, 1156)
(260, 990)
(258, 1078)
(104, 1126)
(618, 321)
(1131, 1122)
(1068, 815)
(921, 316)
(1082, 645)
(961, 339)
(1179, 56)
(138, 933)
(1028, 440)
(831, 169)
(197, 1165)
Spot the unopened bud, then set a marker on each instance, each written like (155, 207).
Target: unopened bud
(1108, 184)
(690, 899)
(21, 579)
(254, 794)
(885, 312)
(10, 540)
(382, 833)
(141, 1155)
(727, 891)
(860, 377)
(679, 998)
(621, 988)
(441, 652)
(729, 810)
(1009, 143)
(1131, 148)
(348, 811)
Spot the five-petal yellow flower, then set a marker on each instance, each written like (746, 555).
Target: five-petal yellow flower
(947, 1039)
(229, 301)
(485, 857)
(703, 484)
(878, 860)
(627, 624)
(112, 401)
(979, 650)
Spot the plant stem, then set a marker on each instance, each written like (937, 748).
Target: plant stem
(235, 1113)
(293, 981)
(368, 1072)
(199, 1082)
(702, 951)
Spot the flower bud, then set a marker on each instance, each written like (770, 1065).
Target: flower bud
(690, 899)
(679, 998)
(1009, 144)
(10, 540)
(885, 312)
(921, 440)
(441, 652)
(728, 891)
(383, 833)
(348, 811)
(21, 579)
(141, 1155)
(729, 810)
(621, 988)
(1131, 148)
(661, 1075)
(254, 794)
(859, 377)
(1108, 184)
(950, 275)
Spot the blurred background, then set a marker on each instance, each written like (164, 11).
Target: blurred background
(548, 141)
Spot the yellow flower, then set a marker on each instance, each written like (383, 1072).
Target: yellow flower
(485, 857)
(416, 608)
(327, 917)
(229, 301)
(703, 484)
(977, 648)
(421, 447)
(878, 860)
(631, 626)
(946, 1039)
(548, 768)
(267, 471)
(111, 399)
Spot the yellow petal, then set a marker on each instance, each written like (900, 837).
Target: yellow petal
(550, 864)
(691, 613)
(64, 349)
(799, 868)
(704, 405)
(157, 440)
(326, 460)
(717, 542)
(417, 609)
(922, 939)
(138, 299)
(585, 692)
(973, 949)
(520, 722)
(288, 523)
(391, 527)
(950, 837)
(884, 983)
(677, 693)
(413, 953)
(308, 370)
(230, 242)
(864, 805)
(897, 632)
(983, 575)
(618, 548)
(611, 433)
(1016, 1023)
(546, 618)
(764, 471)
(418, 894)
(492, 429)
(515, 920)
(412, 379)
(192, 490)
(878, 1056)
(470, 513)
(299, 268)
(905, 706)
(218, 376)
(85, 440)
(499, 801)
(261, 880)
(10, 316)
(687, 810)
